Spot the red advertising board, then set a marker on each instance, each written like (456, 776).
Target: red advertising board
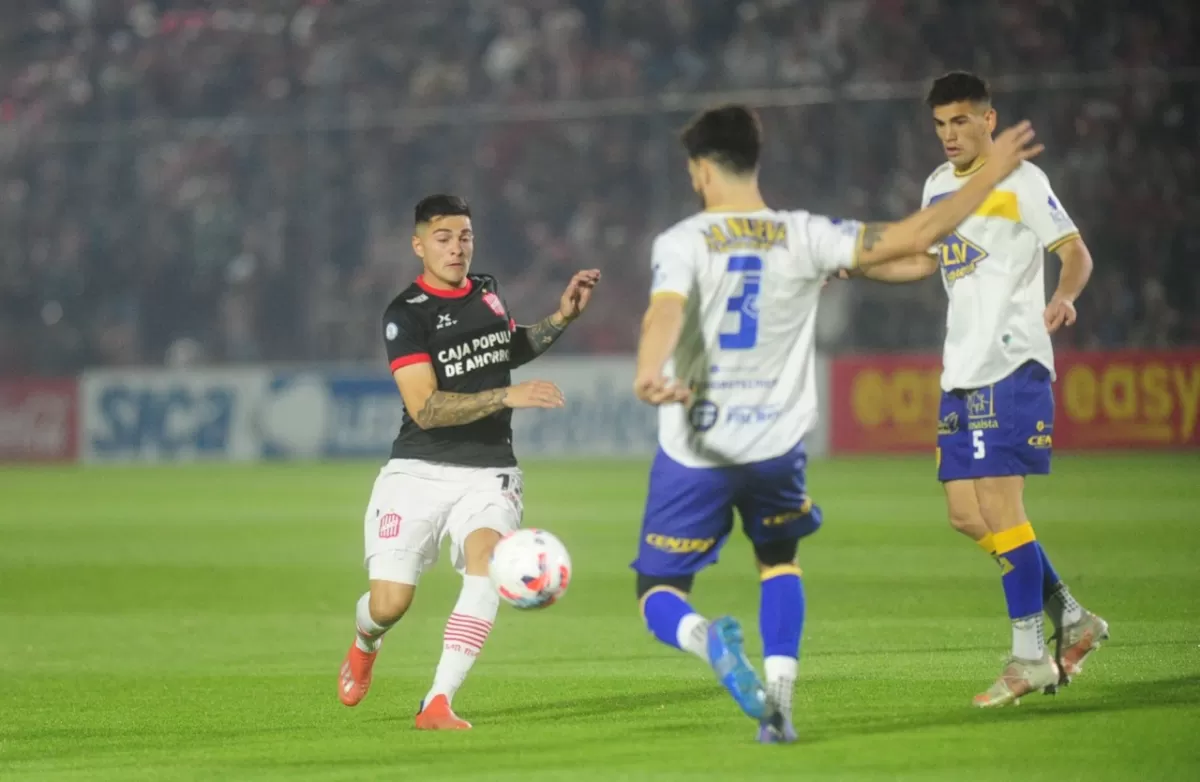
(1110, 400)
(38, 420)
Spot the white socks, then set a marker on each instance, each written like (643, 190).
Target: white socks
(466, 631)
(370, 632)
(1072, 611)
(781, 681)
(692, 635)
(1029, 643)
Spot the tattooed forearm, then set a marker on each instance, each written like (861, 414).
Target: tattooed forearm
(444, 408)
(871, 234)
(543, 334)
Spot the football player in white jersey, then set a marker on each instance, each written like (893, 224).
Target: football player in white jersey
(727, 351)
(997, 412)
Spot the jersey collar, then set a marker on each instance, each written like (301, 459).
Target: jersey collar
(971, 169)
(442, 293)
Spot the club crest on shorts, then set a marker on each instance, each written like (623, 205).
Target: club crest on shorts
(389, 525)
(493, 302)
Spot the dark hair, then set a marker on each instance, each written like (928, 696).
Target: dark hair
(440, 205)
(958, 86)
(730, 136)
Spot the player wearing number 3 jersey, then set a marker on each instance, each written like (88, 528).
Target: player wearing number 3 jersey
(727, 351)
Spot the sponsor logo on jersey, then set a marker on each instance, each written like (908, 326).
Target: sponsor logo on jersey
(960, 256)
(745, 233)
(418, 299)
(703, 415)
(445, 321)
(391, 332)
(482, 351)
(752, 414)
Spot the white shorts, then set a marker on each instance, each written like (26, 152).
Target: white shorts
(415, 505)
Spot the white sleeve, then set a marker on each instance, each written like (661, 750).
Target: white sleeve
(828, 244)
(1042, 213)
(673, 265)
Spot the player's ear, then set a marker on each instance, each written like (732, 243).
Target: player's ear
(989, 116)
(418, 246)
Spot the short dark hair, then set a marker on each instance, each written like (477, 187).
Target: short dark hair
(440, 205)
(958, 86)
(730, 136)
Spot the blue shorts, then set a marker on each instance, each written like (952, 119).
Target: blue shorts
(689, 510)
(998, 430)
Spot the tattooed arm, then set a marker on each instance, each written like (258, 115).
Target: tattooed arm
(431, 408)
(532, 341)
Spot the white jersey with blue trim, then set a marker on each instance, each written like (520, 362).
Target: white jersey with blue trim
(993, 269)
(747, 350)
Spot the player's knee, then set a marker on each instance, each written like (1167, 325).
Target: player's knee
(776, 553)
(646, 583)
(389, 601)
(968, 521)
(477, 550)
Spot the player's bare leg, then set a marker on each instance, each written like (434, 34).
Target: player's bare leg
(1082, 631)
(377, 610)
(1030, 668)
(466, 631)
(962, 506)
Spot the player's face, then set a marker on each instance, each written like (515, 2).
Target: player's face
(965, 130)
(445, 246)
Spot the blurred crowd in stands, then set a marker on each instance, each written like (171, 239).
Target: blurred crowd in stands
(233, 180)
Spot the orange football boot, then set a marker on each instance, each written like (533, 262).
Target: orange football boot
(437, 715)
(355, 677)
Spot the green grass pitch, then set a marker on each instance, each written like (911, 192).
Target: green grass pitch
(188, 622)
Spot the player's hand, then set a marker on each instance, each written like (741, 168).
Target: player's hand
(654, 390)
(578, 293)
(1012, 147)
(1059, 313)
(533, 393)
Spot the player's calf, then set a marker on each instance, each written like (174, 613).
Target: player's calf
(466, 632)
(781, 624)
(668, 614)
(376, 612)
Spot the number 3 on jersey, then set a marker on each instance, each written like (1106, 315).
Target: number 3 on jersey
(745, 304)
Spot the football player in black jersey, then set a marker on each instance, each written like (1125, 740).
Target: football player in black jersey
(452, 345)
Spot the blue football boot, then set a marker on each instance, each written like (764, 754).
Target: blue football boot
(728, 659)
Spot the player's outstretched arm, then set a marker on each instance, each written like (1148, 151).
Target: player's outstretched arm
(431, 408)
(915, 234)
(661, 327)
(532, 341)
(1076, 271)
(910, 268)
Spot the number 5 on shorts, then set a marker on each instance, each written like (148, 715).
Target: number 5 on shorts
(977, 441)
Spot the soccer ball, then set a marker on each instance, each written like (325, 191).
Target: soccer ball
(530, 568)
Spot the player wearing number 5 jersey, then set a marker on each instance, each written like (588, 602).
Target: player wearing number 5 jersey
(996, 421)
(452, 474)
(727, 351)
